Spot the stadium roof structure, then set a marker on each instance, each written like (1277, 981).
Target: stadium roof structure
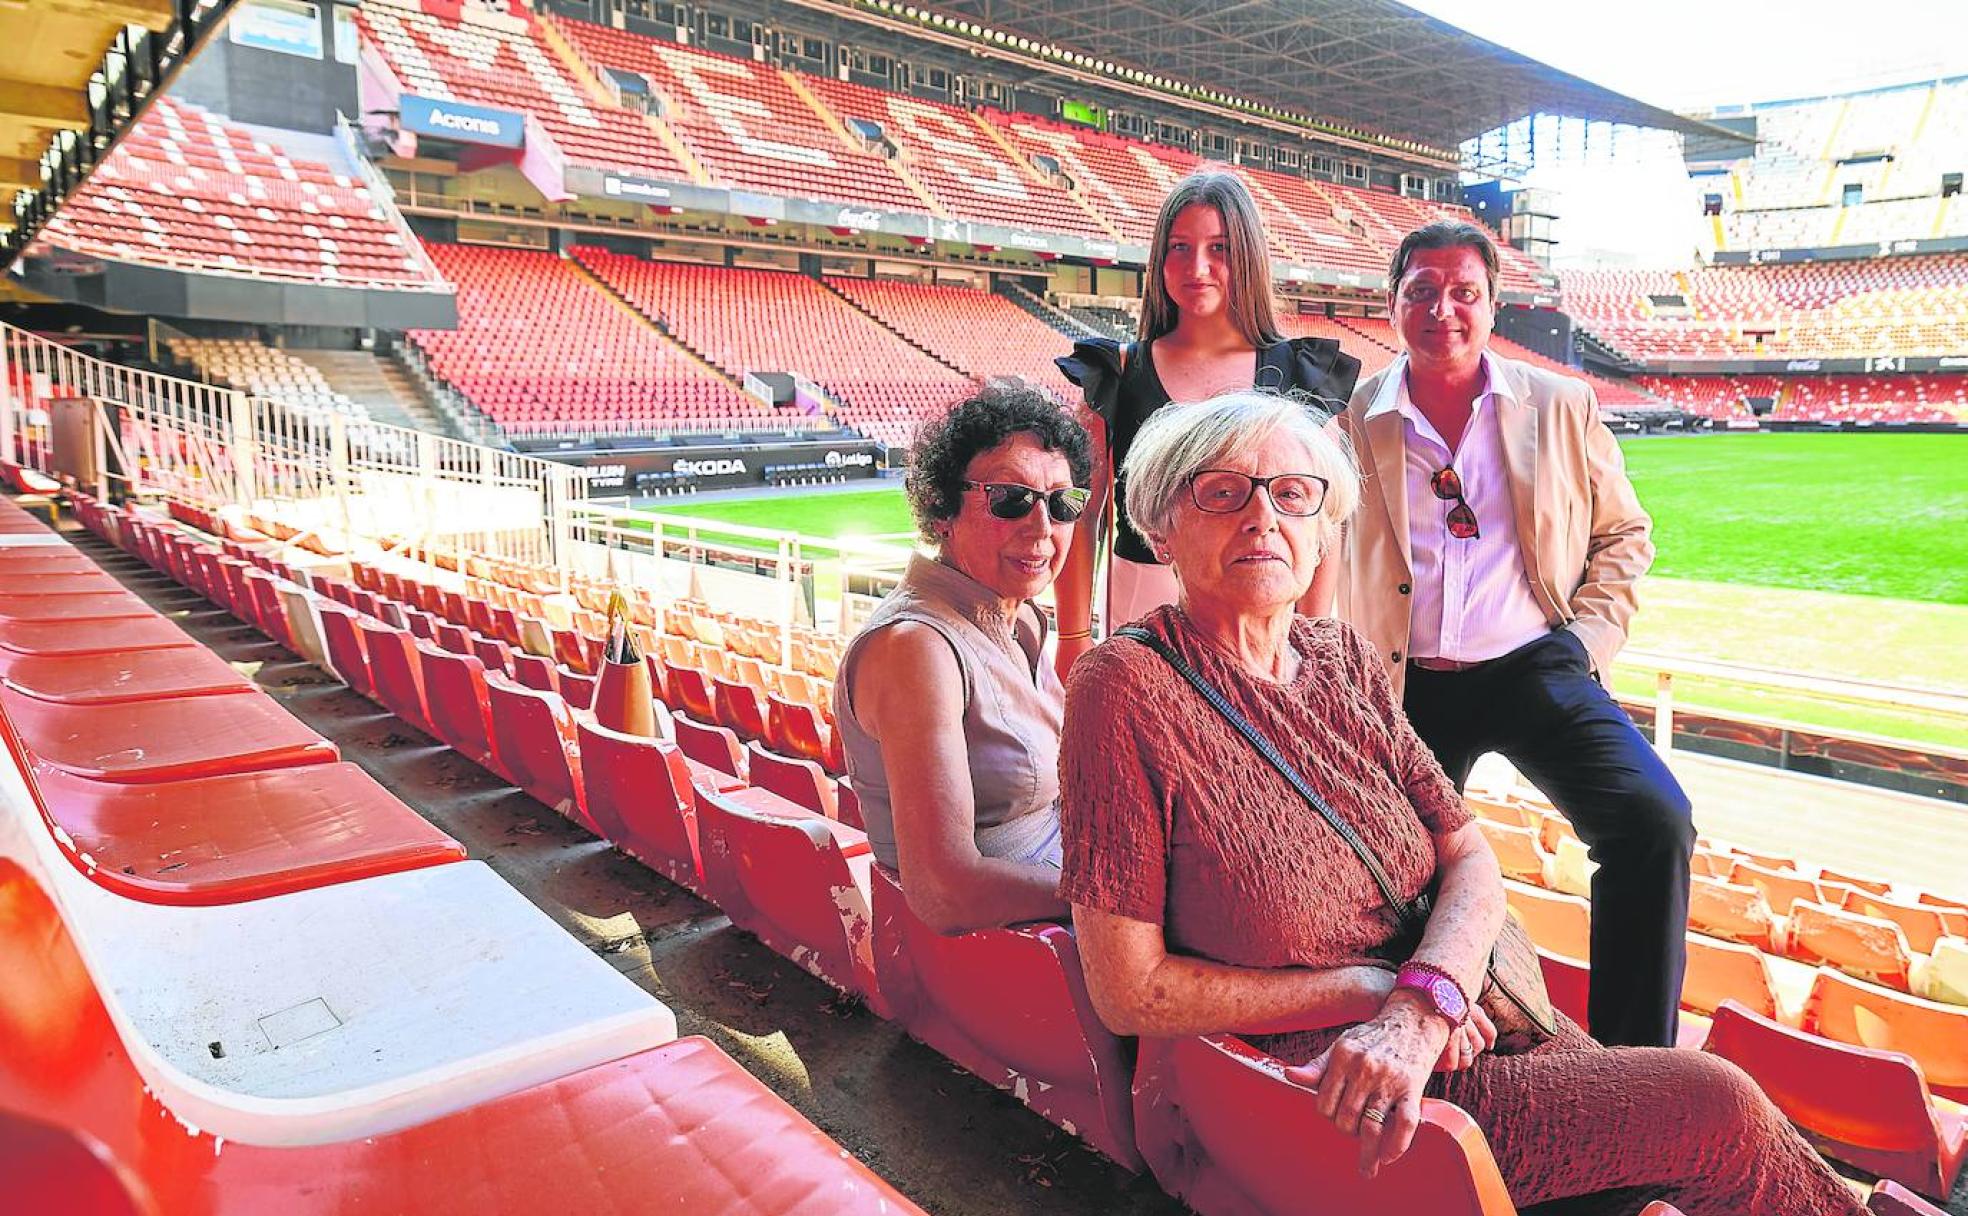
(1375, 64)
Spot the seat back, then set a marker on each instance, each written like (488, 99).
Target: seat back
(1736, 913)
(793, 729)
(784, 874)
(687, 691)
(460, 708)
(398, 670)
(798, 781)
(1868, 1108)
(1873, 885)
(493, 653)
(1011, 1006)
(736, 705)
(1865, 946)
(1781, 888)
(1726, 971)
(454, 638)
(531, 734)
(1518, 852)
(637, 792)
(535, 672)
(347, 653)
(1933, 1033)
(1923, 924)
(1224, 1129)
(1557, 922)
(1568, 981)
(712, 745)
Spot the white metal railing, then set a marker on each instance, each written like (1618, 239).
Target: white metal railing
(312, 470)
(766, 573)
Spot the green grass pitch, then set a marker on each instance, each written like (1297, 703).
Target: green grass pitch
(1881, 515)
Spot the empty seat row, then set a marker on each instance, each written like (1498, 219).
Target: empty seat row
(540, 1043)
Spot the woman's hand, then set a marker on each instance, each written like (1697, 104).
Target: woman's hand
(1379, 1066)
(1467, 1041)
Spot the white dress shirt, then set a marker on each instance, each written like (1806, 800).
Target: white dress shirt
(1472, 600)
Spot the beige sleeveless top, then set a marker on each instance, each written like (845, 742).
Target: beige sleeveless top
(1013, 709)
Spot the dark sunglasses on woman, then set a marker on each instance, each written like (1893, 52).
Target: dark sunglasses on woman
(1007, 500)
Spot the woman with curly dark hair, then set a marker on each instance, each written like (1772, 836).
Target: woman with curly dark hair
(949, 715)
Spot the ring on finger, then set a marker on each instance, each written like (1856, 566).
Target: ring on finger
(1374, 1116)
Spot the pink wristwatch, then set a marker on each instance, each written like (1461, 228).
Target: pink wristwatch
(1438, 986)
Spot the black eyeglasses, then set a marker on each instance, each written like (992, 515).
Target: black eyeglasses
(1222, 491)
(1462, 518)
(1008, 500)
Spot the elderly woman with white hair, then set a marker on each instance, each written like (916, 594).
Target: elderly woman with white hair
(1332, 899)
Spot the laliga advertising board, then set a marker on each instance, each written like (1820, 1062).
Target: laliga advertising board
(623, 471)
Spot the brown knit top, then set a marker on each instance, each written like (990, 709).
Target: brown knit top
(1169, 816)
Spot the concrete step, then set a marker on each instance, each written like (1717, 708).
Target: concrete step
(368, 379)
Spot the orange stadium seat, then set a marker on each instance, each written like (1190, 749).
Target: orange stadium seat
(1934, 1034)
(1719, 971)
(1781, 888)
(1518, 852)
(793, 729)
(1557, 922)
(1734, 913)
(1871, 947)
(1923, 924)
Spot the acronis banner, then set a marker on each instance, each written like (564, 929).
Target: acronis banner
(467, 124)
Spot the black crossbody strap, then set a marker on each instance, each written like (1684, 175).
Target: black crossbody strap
(1402, 910)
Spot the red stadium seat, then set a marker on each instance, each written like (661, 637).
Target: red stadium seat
(83, 606)
(236, 837)
(800, 782)
(712, 746)
(196, 737)
(535, 672)
(396, 666)
(688, 692)
(639, 794)
(532, 733)
(1225, 1131)
(1568, 980)
(137, 675)
(797, 881)
(348, 651)
(1011, 1006)
(737, 706)
(1868, 1108)
(460, 707)
(792, 729)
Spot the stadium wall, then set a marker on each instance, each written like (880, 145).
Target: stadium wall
(270, 70)
(130, 287)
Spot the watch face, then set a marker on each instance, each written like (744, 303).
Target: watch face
(1448, 998)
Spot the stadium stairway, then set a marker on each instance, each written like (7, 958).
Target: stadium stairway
(390, 394)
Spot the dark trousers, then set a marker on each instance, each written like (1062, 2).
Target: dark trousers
(1540, 707)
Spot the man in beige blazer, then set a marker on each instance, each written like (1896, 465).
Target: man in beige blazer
(1492, 562)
